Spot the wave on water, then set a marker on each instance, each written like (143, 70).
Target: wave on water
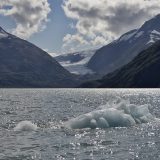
(25, 126)
(114, 114)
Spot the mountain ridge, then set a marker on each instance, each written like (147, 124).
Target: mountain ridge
(124, 49)
(22, 64)
(141, 72)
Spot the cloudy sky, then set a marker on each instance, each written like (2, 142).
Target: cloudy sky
(69, 25)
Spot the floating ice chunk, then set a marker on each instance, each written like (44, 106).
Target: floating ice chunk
(93, 124)
(26, 126)
(102, 123)
(117, 118)
(120, 114)
(80, 122)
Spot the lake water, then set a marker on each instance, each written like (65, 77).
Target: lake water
(50, 108)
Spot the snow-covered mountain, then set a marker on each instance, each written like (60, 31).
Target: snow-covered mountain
(76, 62)
(141, 72)
(124, 49)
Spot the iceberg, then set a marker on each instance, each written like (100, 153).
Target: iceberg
(119, 114)
(25, 126)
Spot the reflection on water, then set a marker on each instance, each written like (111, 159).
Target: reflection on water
(50, 109)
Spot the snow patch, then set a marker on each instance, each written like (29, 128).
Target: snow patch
(155, 32)
(78, 67)
(154, 36)
(139, 34)
(127, 36)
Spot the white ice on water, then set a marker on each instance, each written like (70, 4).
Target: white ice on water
(25, 126)
(119, 114)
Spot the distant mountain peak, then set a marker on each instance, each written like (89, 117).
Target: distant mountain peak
(152, 24)
(23, 64)
(141, 72)
(125, 48)
(157, 16)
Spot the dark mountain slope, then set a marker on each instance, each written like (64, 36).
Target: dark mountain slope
(141, 72)
(22, 64)
(123, 50)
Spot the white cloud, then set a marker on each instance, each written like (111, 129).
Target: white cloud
(53, 54)
(101, 21)
(99, 40)
(30, 16)
(73, 40)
